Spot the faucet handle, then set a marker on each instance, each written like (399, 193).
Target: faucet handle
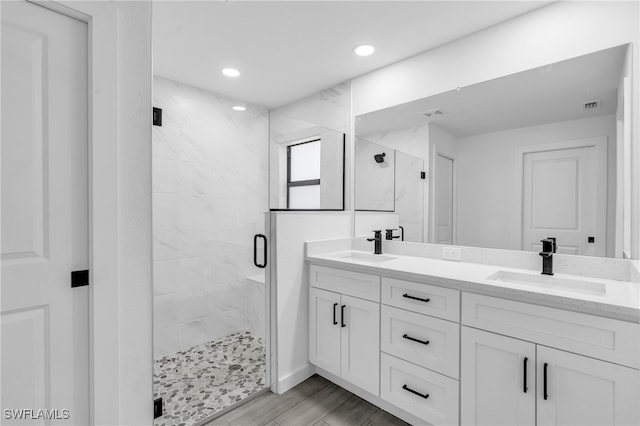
(553, 243)
(548, 245)
(389, 234)
(377, 235)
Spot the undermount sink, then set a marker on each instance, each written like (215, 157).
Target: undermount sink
(550, 282)
(366, 257)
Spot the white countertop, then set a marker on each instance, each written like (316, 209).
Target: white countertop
(620, 300)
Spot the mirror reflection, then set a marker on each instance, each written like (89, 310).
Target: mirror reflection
(508, 162)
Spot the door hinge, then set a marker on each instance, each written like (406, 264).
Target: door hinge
(157, 408)
(157, 116)
(423, 175)
(79, 278)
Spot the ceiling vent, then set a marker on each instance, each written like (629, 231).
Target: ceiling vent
(591, 105)
(433, 112)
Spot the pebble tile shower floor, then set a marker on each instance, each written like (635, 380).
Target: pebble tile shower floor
(207, 378)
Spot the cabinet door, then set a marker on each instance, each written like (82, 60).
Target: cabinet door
(361, 344)
(497, 384)
(324, 330)
(585, 391)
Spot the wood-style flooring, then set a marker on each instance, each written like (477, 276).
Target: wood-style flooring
(314, 402)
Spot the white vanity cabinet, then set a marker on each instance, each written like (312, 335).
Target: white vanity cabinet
(509, 381)
(344, 331)
(441, 356)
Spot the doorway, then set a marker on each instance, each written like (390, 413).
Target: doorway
(210, 193)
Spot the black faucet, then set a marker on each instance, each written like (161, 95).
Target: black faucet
(377, 237)
(389, 234)
(548, 248)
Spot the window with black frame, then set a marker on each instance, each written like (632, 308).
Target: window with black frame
(303, 175)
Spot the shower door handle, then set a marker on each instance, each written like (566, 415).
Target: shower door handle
(255, 251)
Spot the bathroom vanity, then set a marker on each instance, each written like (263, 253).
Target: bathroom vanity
(445, 343)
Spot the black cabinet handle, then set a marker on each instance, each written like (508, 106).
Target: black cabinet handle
(342, 324)
(401, 233)
(335, 321)
(544, 381)
(524, 381)
(255, 251)
(408, 389)
(424, 342)
(415, 298)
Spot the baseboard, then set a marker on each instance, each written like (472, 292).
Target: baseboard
(375, 400)
(295, 378)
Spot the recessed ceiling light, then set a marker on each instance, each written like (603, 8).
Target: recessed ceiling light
(239, 108)
(231, 72)
(364, 50)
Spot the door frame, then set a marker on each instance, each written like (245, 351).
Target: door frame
(119, 142)
(454, 197)
(600, 144)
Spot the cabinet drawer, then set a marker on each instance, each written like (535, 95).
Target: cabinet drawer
(354, 284)
(598, 337)
(442, 302)
(399, 378)
(441, 353)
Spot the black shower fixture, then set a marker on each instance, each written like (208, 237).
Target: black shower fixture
(379, 157)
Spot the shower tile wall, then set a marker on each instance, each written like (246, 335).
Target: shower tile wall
(210, 170)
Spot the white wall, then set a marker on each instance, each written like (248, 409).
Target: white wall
(209, 196)
(289, 231)
(552, 33)
(485, 176)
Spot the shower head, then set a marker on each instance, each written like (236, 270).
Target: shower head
(379, 157)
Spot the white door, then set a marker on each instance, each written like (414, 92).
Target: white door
(444, 200)
(324, 329)
(44, 322)
(564, 196)
(493, 390)
(361, 344)
(585, 391)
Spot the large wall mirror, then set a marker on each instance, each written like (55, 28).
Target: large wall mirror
(507, 162)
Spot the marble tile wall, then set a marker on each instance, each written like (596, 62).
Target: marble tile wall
(210, 174)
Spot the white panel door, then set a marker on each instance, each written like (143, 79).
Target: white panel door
(493, 390)
(444, 200)
(562, 198)
(585, 391)
(361, 343)
(324, 329)
(45, 335)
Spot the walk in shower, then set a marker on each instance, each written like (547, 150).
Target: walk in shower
(210, 174)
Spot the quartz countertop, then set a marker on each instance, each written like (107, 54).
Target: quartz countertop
(614, 299)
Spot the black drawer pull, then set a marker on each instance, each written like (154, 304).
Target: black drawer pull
(424, 342)
(524, 381)
(408, 389)
(415, 298)
(342, 324)
(546, 394)
(335, 321)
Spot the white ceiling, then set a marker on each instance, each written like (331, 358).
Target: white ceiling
(290, 49)
(548, 94)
